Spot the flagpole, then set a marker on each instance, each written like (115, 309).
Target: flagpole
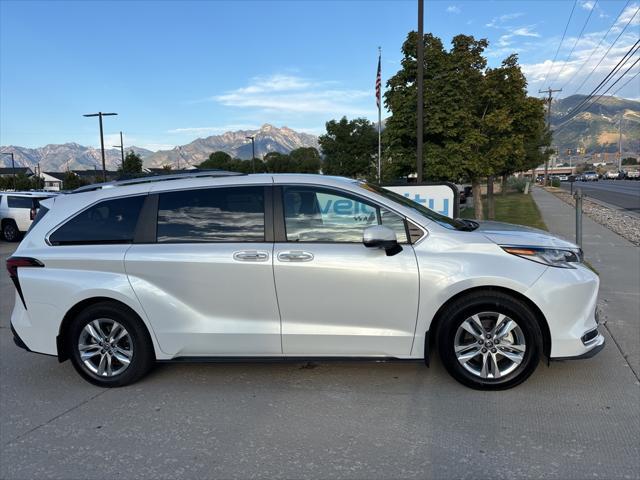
(380, 121)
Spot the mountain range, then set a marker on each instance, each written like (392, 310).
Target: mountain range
(596, 129)
(72, 156)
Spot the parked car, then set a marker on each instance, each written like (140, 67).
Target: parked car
(563, 178)
(213, 266)
(614, 175)
(589, 177)
(17, 210)
(633, 174)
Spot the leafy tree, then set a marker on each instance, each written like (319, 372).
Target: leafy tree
(629, 161)
(305, 160)
(132, 164)
(349, 148)
(277, 162)
(479, 122)
(217, 160)
(72, 181)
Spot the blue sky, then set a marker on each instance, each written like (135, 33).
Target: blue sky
(175, 71)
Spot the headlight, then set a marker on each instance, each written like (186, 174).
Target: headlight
(554, 257)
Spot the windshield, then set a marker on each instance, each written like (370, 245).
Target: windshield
(452, 224)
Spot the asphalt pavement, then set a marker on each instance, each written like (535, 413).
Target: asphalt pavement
(624, 194)
(572, 420)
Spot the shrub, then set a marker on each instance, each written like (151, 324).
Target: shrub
(555, 182)
(516, 184)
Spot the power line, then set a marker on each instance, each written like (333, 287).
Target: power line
(608, 50)
(561, 40)
(593, 102)
(598, 46)
(615, 69)
(576, 42)
(625, 83)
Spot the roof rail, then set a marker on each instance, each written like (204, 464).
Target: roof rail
(157, 178)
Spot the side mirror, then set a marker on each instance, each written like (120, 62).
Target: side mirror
(379, 236)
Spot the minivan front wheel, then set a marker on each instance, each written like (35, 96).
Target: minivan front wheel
(109, 346)
(489, 341)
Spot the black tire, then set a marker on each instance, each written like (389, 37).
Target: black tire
(487, 301)
(143, 356)
(10, 231)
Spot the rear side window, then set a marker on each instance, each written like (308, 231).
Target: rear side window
(234, 214)
(19, 202)
(111, 221)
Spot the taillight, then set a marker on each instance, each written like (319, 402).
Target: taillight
(13, 263)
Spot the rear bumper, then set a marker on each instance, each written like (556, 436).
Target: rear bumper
(17, 340)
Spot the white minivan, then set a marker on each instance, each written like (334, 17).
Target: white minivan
(218, 266)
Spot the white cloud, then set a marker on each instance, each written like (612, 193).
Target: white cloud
(524, 32)
(587, 5)
(212, 130)
(453, 9)
(496, 22)
(630, 14)
(292, 94)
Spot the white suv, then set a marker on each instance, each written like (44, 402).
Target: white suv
(228, 266)
(17, 210)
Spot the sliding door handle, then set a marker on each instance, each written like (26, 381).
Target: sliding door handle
(250, 256)
(295, 256)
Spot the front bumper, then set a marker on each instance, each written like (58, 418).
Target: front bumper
(596, 345)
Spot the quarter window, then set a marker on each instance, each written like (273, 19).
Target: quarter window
(19, 202)
(319, 215)
(234, 214)
(110, 221)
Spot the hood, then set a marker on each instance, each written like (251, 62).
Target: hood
(509, 234)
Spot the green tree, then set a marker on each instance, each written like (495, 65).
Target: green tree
(132, 164)
(277, 162)
(629, 161)
(304, 160)
(478, 123)
(71, 181)
(349, 148)
(217, 160)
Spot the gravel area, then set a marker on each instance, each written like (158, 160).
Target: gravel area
(619, 222)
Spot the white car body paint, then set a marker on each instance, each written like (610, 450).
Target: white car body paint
(346, 300)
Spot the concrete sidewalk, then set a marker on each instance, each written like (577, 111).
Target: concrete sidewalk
(618, 263)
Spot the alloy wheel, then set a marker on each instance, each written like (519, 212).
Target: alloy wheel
(489, 345)
(105, 347)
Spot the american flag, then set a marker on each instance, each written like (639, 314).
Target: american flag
(378, 84)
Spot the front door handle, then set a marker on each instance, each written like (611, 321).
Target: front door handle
(250, 256)
(295, 256)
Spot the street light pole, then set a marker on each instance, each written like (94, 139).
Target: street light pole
(100, 115)
(121, 147)
(253, 153)
(420, 94)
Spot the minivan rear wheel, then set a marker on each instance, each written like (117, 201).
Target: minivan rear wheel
(109, 345)
(489, 341)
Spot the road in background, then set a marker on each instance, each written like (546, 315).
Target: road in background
(572, 420)
(624, 194)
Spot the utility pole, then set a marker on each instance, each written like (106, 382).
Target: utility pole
(13, 167)
(253, 152)
(100, 115)
(620, 142)
(420, 93)
(550, 92)
(121, 147)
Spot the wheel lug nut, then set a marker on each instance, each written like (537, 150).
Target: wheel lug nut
(497, 341)
(488, 335)
(480, 342)
(493, 350)
(484, 350)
